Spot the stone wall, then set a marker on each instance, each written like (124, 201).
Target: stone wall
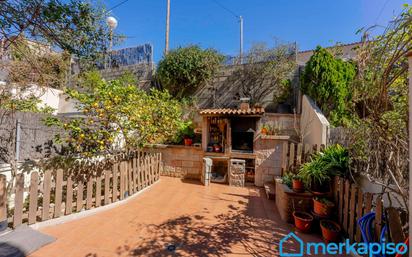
(180, 161)
(268, 150)
(268, 161)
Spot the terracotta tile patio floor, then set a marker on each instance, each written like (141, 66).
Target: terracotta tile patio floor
(200, 221)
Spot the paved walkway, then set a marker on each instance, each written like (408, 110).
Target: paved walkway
(199, 221)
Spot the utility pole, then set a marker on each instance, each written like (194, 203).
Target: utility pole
(167, 27)
(241, 39)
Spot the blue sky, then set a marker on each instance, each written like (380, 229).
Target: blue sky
(308, 22)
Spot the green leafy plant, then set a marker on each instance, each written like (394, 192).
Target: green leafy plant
(287, 179)
(324, 201)
(324, 165)
(327, 80)
(314, 172)
(185, 69)
(117, 114)
(337, 158)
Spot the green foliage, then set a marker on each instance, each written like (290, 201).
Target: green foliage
(74, 26)
(287, 179)
(266, 72)
(378, 137)
(27, 104)
(336, 157)
(327, 80)
(115, 112)
(185, 69)
(324, 165)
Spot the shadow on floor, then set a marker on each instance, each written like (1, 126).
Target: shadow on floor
(240, 229)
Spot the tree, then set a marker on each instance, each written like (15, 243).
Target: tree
(327, 79)
(185, 69)
(378, 137)
(73, 26)
(117, 115)
(266, 72)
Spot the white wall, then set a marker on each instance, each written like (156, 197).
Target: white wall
(313, 124)
(66, 106)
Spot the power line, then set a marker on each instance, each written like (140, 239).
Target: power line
(225, 8)
(381, 11)
(117, 5)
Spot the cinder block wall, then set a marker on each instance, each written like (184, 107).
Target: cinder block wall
(180, 161)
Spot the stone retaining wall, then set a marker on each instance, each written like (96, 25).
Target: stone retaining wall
(180, 161)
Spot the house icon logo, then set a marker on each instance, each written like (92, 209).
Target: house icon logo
(284, 251)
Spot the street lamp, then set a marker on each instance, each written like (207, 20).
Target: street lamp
(112, 23)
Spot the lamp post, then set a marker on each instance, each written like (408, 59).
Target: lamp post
(112, 23)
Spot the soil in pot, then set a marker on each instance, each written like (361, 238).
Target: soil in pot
(298, 186)
(303, 221)
(322, 206)
(330, 230)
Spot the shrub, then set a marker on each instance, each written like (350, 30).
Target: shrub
(185, 69)
(326, 79)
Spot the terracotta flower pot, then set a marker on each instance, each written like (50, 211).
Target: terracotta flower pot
(188, 141)
(297, 186)
(303, 221)
(321, 208)
(264, 131)
(330, 230)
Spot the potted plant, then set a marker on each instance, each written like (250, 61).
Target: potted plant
(188, 134)
(297, 184)
(316, 175)
(264, 130)
(287, 179)
(330, 230)
(303, 221)
(322, 206)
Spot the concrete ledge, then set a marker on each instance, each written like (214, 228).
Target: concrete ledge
(86, 213)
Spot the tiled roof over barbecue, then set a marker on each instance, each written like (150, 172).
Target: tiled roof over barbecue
(228, 111)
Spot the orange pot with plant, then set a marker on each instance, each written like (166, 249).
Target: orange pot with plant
(303, 221)
(297, 185)
(264, 130)
(330, 230)
(322, 206)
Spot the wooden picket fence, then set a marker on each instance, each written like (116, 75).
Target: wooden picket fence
(56, 193)
(296, 154)
(351, 202)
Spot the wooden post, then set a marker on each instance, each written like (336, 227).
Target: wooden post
(18, 200)
(3, 198)
(89, 193)
(346, 206)
(99, 190)
(46, 195)
(114, 177)
(352, 212)
(58, 192)
(69, 195)
(107, 187)
(79, 200)
(291, 161)
(34, 192)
